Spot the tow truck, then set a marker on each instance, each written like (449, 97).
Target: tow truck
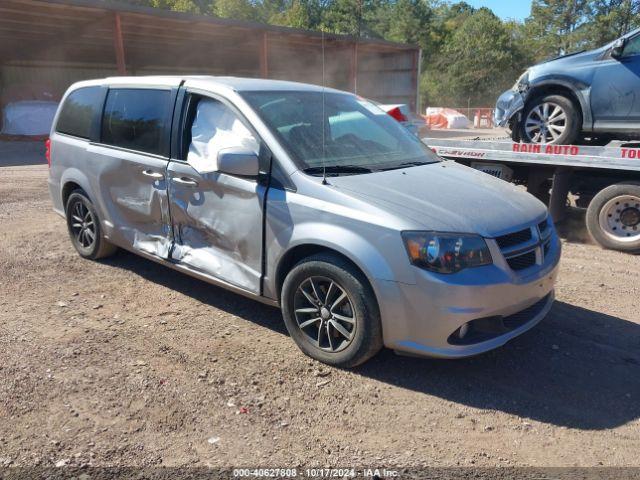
(603, 179)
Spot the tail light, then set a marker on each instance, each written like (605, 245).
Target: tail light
(47, 151)
(397, 114)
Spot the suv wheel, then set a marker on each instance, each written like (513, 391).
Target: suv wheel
(84, 228)
(330, 311)
(613, 217)
(550, 119)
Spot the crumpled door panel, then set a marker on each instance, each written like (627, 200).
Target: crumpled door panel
(135, 205)
(218, 225)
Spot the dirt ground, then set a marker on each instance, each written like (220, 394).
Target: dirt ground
(125, 362)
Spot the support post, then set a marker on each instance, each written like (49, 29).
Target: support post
(538, 180)
(416, 77)
(353, 70)
(415, 73)
(559, 192)
(264, 56)
(118, 44)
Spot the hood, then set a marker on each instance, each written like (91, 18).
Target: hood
(574, 58)
(447, 197)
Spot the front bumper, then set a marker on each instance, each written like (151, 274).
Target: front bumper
(420, 318)
(509, 104)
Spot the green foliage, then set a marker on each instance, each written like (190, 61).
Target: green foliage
(557, 26)
(190, 6)
(612, 18)
(479, 60)
(236, 9)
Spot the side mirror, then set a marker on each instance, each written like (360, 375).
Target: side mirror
(618, 48)
(238, 161)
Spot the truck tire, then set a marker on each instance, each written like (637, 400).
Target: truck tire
(331, 311)
(550, 119)
(613, 217)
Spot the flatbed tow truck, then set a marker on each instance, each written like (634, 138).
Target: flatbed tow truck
(603, 179)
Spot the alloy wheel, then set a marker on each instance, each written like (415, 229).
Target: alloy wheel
(325, 314)
(83, 225)
(545, 123)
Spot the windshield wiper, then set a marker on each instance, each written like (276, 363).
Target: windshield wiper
(338, 170)
(397, 166)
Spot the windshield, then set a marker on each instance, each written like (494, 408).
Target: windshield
(358, 136)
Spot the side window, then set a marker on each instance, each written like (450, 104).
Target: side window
(76, 115)
(215, 126)
(136, 118)
(632, 47)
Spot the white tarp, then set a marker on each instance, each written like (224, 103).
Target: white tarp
(216, 127)
(28, 117)
(438, 117)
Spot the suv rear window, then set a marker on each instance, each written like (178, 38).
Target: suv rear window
(135, 118)
(78, 110)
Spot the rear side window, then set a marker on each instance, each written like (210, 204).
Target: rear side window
(78, 110)
(136, 119)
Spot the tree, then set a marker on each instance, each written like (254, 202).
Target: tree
(610, 19)
(480, 60)
(201, 7)
(556, 27)
(236, 9)
(405, 21)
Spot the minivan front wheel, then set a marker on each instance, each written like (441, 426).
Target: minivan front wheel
(330, 311)
(550, 119)
(84, 228)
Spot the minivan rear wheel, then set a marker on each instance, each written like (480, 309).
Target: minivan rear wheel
(84, 228)
(331, 312)
(550, 119)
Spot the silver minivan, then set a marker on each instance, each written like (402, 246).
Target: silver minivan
(306, 198)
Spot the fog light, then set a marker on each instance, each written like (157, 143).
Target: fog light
(463, 330)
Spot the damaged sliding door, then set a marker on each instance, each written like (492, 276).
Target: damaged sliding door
(217, 217)
(130, 164)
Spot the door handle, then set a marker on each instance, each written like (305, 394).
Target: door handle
(185, 181)
(152, 174)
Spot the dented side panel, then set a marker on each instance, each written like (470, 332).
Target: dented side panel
(132, 195)
(217, 222)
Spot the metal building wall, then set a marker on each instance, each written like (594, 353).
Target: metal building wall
(58, 42)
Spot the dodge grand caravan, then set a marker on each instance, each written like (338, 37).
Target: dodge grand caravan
(306, 198)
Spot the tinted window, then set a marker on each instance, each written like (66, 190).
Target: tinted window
(136, 119)
(77, 112)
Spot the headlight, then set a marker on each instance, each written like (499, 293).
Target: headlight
(446, 252)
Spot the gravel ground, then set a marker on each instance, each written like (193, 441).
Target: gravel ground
(125, 362)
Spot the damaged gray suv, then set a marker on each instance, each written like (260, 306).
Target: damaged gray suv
(310, 199)
(584, 94)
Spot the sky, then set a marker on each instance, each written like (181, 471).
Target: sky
(513, 9)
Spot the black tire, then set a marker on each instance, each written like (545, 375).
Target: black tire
(366, 332)
(514, 130)
(91, 244)
(613, 217)
(571, 122)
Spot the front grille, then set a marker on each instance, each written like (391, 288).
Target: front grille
(543, 225)
(515, 238)
(520, 262)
